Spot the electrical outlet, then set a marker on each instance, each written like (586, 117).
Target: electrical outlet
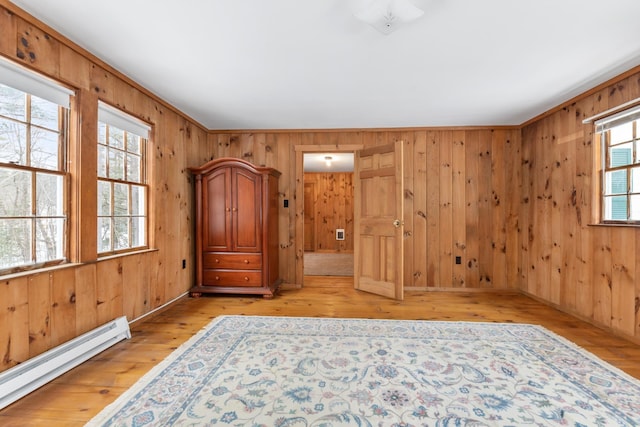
(184, 263)
(458, 260)
(286, 203)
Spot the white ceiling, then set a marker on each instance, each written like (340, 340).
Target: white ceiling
(295, 64)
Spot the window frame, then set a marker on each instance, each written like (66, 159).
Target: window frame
(606, 146)
(111, 117)
(62, 170)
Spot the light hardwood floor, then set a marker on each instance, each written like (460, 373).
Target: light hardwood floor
(77, 396)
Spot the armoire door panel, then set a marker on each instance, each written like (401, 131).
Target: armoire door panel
(217, 211)
(246, 211)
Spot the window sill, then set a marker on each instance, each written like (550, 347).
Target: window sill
(43, 270)
(46, 270)
(125, 254)
(615, 225)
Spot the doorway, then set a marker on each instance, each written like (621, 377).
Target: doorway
(300, 234)
(328, 214)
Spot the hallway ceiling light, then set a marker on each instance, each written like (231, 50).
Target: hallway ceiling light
(387, 15)
(327, 160)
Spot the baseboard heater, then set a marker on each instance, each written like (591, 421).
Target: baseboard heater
(22, 379)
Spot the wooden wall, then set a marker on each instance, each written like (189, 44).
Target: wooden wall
(589, 270)
(41, 310)
(330, 207)
(461, 199)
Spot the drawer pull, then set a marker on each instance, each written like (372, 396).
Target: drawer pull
(218, 278)
(217, 261)
(246, 261)
(246, 279)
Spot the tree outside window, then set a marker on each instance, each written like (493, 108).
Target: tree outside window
(33, 221)
(122, 190)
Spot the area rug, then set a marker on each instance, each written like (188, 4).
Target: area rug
(284, 371)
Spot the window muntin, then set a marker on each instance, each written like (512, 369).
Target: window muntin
(33, 181)
(122, 188)
(620, 141)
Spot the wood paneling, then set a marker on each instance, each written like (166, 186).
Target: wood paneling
(331, 207)
(454, 206)
(43, 309)
(588, 270)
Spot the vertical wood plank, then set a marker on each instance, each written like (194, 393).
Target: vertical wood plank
(623, 279)
(39, 313)
(14, 322)
(86, 298)
(446, 210)
(498, 210)
(63, 306)
(485, 199)
(433, 209)
(458, 208)
(472, 159)
(420, 240)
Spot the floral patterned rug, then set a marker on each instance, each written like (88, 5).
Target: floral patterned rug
(284, 371)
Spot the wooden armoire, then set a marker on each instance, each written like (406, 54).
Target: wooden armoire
(236, 228)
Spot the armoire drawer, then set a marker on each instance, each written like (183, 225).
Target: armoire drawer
(232, 278)
(232, 261)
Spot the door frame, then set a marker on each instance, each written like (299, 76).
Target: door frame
(299, 192)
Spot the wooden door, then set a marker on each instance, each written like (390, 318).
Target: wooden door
(246, 211)
(378, 251)
(216, 211)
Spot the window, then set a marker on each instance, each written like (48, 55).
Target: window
(33, 174)
(620, 140)
(122, 185)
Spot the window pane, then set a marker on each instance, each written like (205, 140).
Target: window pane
(133, 168)
(616, 182)
(622, 133)
(102, 161)
(616, 208)
(15, 242)
(44, 113)
(138, 230)
(15, 188)
(133, 143)
(620, 155)
(49, 195)
(116, 138)
(116, 164)
(138, 200)
(102, 133)
(104, 198)
(44, 149)
(120, 199)
(49, 239)
(120, 233)
(634, 204)
(104, 234)
(13, 142)
(12, 103)
(635, 180)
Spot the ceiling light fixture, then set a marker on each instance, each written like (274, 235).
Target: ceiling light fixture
(387, 15)
(327, 160)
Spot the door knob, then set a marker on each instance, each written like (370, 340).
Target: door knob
(397, 223)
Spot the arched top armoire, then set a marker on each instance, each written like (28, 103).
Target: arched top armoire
(236, 228)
